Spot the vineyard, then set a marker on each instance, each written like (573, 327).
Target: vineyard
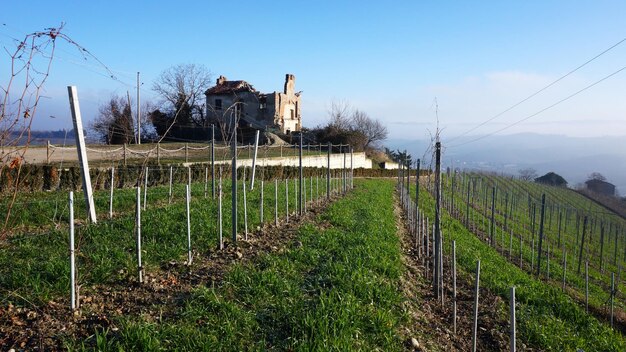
(345, 269)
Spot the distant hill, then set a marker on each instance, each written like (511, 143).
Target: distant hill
(571, 157)
(58, 137)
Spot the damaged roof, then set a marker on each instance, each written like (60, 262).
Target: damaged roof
(229, 87)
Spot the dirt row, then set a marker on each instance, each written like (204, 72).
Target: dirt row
(430, 326)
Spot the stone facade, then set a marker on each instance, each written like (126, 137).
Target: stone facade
(272, 112)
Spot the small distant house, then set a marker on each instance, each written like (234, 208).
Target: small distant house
(272, 112)
(600, 187)
(552, 179)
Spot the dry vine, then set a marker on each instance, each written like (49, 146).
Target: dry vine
(30, 64)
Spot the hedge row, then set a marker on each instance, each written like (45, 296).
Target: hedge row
(33, 178)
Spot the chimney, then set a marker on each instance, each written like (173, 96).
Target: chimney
(290, 82)
(220, 80)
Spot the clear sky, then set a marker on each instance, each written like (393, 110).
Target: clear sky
(392, 59)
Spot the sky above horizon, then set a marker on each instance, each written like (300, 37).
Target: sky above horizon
(406, 63)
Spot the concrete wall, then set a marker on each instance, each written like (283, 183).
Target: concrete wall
(390, 165)
(359, 160)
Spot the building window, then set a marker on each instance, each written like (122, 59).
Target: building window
(262, 103)
(293, 114)
(218, 104)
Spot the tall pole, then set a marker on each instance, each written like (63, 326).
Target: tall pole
(492, 228)
(328, 173)
(213, 160)
(300, 179)
(417, 187)
(72, 255)
(408, 177)
(344, 170)
(351, 167)
(543, 210)
(138, 113)
(582, 244)
(256, 148)
(234, 178)
(436, 278)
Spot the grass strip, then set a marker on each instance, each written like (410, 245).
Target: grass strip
(335, 289)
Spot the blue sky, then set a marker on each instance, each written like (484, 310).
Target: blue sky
(390, 59)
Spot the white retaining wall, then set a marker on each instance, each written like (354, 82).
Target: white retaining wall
(359, 160)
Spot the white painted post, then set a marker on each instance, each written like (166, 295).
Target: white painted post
(261, 205)
(521, 252)
(351, 168)
(245, 210)
(189, 175)
(476, 290)
(564, 267)
(317, 186)
(188, 197)
(587, 286)
(548, 262)
(612, 295)
(276, 202)
(219, 212)
(138, 225)
(82, 152)
(287, 200)
(206, 181)
(256, 148)
(72, 255)
(145, 189)
(111, 194)
(454, 285)
(304, 194)
(512, 318)
(170, 191)
(511, 243)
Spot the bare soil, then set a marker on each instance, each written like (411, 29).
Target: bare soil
(431, 322)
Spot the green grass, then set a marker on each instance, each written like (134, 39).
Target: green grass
(338, 291)
(547, 317)
(34, 267)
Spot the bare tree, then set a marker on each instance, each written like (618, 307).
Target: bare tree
(182, 87)
(114, 124)
(527, 174)
(351, 126)
(596, 176)
(340, 114)
(373, 130)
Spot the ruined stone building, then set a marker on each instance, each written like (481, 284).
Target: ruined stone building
(273, 112)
